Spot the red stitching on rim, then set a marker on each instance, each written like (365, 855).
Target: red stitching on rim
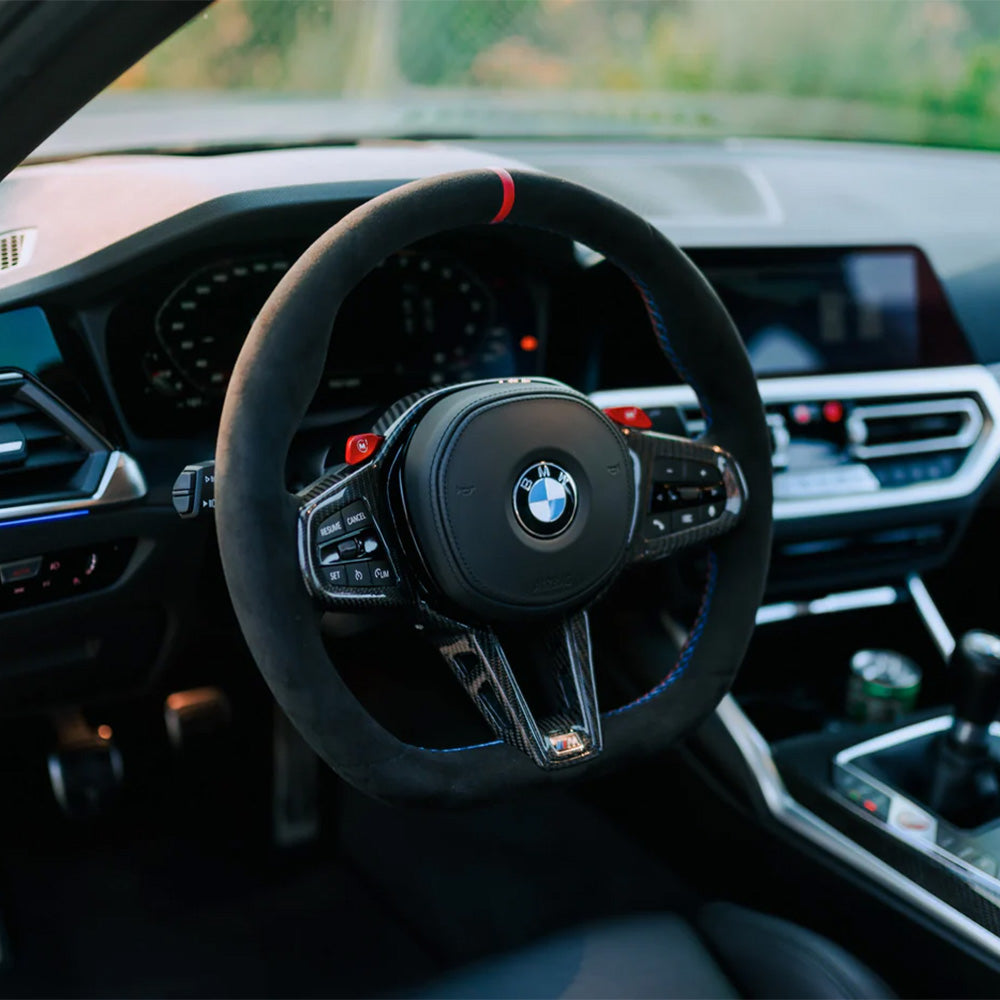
(508, 195)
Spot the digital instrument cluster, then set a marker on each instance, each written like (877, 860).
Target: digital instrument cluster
(422, 318)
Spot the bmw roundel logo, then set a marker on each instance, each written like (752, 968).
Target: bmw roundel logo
(545, 499)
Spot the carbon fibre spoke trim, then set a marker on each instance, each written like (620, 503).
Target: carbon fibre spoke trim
(687, 492)
(571, 731)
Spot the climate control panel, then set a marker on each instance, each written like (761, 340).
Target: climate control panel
(858, 442)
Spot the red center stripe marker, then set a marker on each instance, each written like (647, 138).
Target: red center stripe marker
(508, 195)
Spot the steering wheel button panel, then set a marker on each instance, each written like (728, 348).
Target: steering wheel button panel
(692, 491)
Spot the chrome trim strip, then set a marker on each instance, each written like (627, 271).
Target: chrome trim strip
(874, 597)
(930, 616)
(857, 428)
(121, 481)
(926, 727)
(969, 379)
(756, 754)
(848, 600)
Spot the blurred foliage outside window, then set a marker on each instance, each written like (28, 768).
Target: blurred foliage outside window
(924, 71)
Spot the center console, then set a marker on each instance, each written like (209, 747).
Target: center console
(911, 805)
(884, 438)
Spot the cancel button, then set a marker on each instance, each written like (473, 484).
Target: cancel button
(356, 517)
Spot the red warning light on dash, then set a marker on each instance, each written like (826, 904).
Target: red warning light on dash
(803, 413)
(833, 411)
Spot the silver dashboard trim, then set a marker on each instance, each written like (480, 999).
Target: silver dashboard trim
(930, 616)
(756, 755)
(857, 427)
(926, 727)
(968, 379)
(121, 481)
(847, 600)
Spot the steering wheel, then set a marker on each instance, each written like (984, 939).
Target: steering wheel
(489, 508)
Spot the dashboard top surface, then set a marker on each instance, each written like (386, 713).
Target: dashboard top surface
(93, 215)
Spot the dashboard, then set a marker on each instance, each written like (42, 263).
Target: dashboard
(874, 340)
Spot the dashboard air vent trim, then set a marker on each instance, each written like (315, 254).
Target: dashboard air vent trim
(16, 248)
(104, 475)
(858, 430)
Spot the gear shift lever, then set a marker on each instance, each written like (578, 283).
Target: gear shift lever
(964, 786)
(976, 666)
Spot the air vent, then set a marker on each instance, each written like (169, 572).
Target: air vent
(914, 427)
(46, 452)
(16, 248)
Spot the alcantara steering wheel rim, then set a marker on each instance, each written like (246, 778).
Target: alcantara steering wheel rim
(260, 525)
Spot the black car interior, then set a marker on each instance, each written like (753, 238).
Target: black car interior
(423, 574)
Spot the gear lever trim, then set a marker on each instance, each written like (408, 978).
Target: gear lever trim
(939, 839)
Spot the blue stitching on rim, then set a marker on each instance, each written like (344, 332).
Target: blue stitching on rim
(660, 329)
(472, 746)
(688, 650)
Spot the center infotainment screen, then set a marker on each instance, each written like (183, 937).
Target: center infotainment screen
(816, 310)
(828, 315)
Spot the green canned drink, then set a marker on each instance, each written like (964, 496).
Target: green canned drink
(883, 685)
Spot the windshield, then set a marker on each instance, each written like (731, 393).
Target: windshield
(247, 72)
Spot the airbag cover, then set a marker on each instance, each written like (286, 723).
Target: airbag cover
(462, 473)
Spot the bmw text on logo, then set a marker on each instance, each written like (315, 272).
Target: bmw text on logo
(545, 499)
